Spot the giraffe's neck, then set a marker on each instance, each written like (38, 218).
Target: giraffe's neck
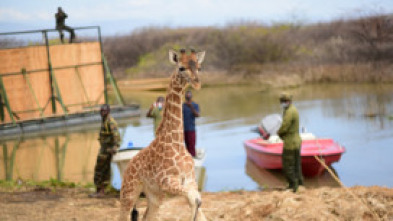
(172, 122)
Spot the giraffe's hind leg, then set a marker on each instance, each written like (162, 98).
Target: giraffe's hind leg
(154, 200)
(129, 195)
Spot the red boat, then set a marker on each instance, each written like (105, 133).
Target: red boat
(267, 153)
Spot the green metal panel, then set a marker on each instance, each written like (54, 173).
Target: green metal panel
(7, 104)
(2, 117)
(26, 77)
(50, 71)
(103, 66)
(113, 82)
(58, 94)
(83, 86)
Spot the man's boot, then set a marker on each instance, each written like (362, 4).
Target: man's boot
(99, 193)
(72, 37)
(94, 195)
(295, 186)
(62, 38)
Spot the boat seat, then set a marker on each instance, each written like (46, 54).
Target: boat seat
(274, 139)
(303, 136)
(200, 153)
(307, 136)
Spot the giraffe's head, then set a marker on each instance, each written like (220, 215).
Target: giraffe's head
(187, 66)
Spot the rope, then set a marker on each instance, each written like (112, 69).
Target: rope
(345, 188)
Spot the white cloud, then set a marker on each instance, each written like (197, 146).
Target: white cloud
(44, 16)
(9, 14)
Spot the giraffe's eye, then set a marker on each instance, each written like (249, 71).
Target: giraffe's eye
(182, 69)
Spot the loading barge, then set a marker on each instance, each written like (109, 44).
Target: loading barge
(50, 86)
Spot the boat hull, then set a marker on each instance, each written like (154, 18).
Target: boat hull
(269, 156)
(123, 157)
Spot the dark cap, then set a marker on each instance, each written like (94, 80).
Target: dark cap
(105, 107)
(285, 96)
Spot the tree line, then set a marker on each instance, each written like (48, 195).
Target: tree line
(252, 45)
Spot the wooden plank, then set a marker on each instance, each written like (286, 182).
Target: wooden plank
(20, 97)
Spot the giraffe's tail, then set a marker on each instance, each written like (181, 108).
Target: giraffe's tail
(134, 214)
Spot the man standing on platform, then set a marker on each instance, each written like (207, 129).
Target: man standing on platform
(60, 25)
(110, 142)
(190, 112)
(289, 133)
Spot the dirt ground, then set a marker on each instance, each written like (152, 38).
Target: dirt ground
(326, 203)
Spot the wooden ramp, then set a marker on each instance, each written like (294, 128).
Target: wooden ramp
(47, 85)
(74, 81)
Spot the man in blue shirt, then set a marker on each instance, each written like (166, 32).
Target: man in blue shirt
(190, 112)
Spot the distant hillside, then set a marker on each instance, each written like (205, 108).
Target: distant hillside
(252, 49)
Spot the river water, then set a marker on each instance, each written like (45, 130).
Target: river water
(356, 116)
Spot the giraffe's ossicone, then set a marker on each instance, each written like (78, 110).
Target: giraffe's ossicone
(165, 167)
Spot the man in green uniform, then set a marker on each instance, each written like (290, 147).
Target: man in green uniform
(156, 111)
(110, 142)
(289, 133)
(60, 25)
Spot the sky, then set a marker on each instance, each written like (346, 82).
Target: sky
(118, 17)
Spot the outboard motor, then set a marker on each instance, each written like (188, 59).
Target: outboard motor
(269, 125)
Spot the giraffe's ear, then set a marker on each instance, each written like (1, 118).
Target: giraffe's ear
(200, 57)
(173, 57)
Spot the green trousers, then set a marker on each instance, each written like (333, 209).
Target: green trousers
(66, 28)
(102, 170)
(292, 168)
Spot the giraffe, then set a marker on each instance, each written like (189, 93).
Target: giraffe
(165, 166)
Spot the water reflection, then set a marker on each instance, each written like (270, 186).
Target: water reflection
(68, 157)
(9, 159)
(276, 179)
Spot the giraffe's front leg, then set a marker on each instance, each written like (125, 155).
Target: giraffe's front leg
(195, 201)
(174, 186)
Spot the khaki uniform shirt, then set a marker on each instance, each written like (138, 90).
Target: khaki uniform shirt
(109, 134)
(289, 130)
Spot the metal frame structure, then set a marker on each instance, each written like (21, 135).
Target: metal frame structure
(55, 91)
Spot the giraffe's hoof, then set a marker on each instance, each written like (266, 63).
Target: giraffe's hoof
(198, 202)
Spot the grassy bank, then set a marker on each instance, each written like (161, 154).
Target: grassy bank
(52, 184)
